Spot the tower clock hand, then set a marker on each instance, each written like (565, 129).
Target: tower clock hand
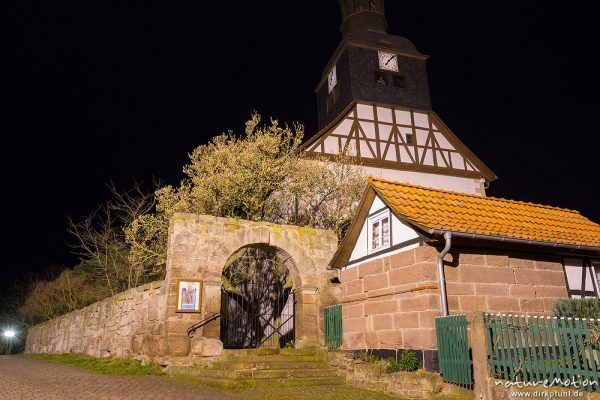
(390, 59)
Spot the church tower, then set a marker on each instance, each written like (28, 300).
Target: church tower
(373, 100)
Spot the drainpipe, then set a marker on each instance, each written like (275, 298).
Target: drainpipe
(441, 277)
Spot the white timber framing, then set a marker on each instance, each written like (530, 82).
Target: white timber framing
(393, 137)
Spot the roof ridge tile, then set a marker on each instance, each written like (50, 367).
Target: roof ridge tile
(372, 179)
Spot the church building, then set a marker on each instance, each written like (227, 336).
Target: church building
(373, 102)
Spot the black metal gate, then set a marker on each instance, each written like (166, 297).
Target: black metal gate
(261, 320)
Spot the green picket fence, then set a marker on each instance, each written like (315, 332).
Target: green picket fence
(535, 349)
(454, 355)
(333, 326)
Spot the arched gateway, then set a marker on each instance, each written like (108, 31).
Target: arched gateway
(257, 298)
(268, 282)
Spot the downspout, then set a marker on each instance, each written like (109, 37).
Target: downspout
(441, 276)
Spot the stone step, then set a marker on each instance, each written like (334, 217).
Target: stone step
(249, 358)
(249, 368)
(308, 351)
(226, 365)
(256, 352)
(268, 383)
(267, 373)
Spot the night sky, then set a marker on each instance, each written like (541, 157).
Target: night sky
(94, 91)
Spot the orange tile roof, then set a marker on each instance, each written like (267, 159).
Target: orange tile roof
(458, 212)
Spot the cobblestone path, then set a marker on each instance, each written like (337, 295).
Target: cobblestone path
(24, 379)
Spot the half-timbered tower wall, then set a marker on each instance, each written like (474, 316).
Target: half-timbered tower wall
(403, 145)
(373, 101)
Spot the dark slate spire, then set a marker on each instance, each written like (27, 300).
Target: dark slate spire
(362, 15)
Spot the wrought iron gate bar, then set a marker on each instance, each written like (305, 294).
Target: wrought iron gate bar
(252, 324)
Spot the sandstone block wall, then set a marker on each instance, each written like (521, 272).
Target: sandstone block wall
(392, 302)
(380, 300)
(143, 322)
(128, 324)
(505, 282)
(367, 375)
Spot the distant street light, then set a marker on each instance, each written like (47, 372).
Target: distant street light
(9, 334)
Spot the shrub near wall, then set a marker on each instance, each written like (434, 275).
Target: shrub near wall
(577, 308)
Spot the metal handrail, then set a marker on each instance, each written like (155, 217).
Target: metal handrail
(192, 329)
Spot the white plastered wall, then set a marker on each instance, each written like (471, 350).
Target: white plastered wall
(400, 233)
(445, 182)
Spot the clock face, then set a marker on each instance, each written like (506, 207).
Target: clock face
(332, 79)
(388, 61)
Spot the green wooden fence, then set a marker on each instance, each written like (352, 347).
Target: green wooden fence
(453, 350)
(333, 326)
(532, 349)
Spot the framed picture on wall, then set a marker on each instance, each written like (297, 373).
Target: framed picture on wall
(189, 295)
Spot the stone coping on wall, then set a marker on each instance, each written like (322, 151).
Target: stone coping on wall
(182, 216)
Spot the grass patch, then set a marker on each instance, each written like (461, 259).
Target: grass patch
(333, 392)
(110, 365)
(327, 392)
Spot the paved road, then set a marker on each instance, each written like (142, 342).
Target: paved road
(24, 379)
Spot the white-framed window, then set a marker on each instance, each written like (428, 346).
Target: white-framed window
(596, 269)
(379, 228)
(583, 277)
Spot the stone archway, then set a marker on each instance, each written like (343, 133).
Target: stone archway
(200, 245)
(257, 298)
